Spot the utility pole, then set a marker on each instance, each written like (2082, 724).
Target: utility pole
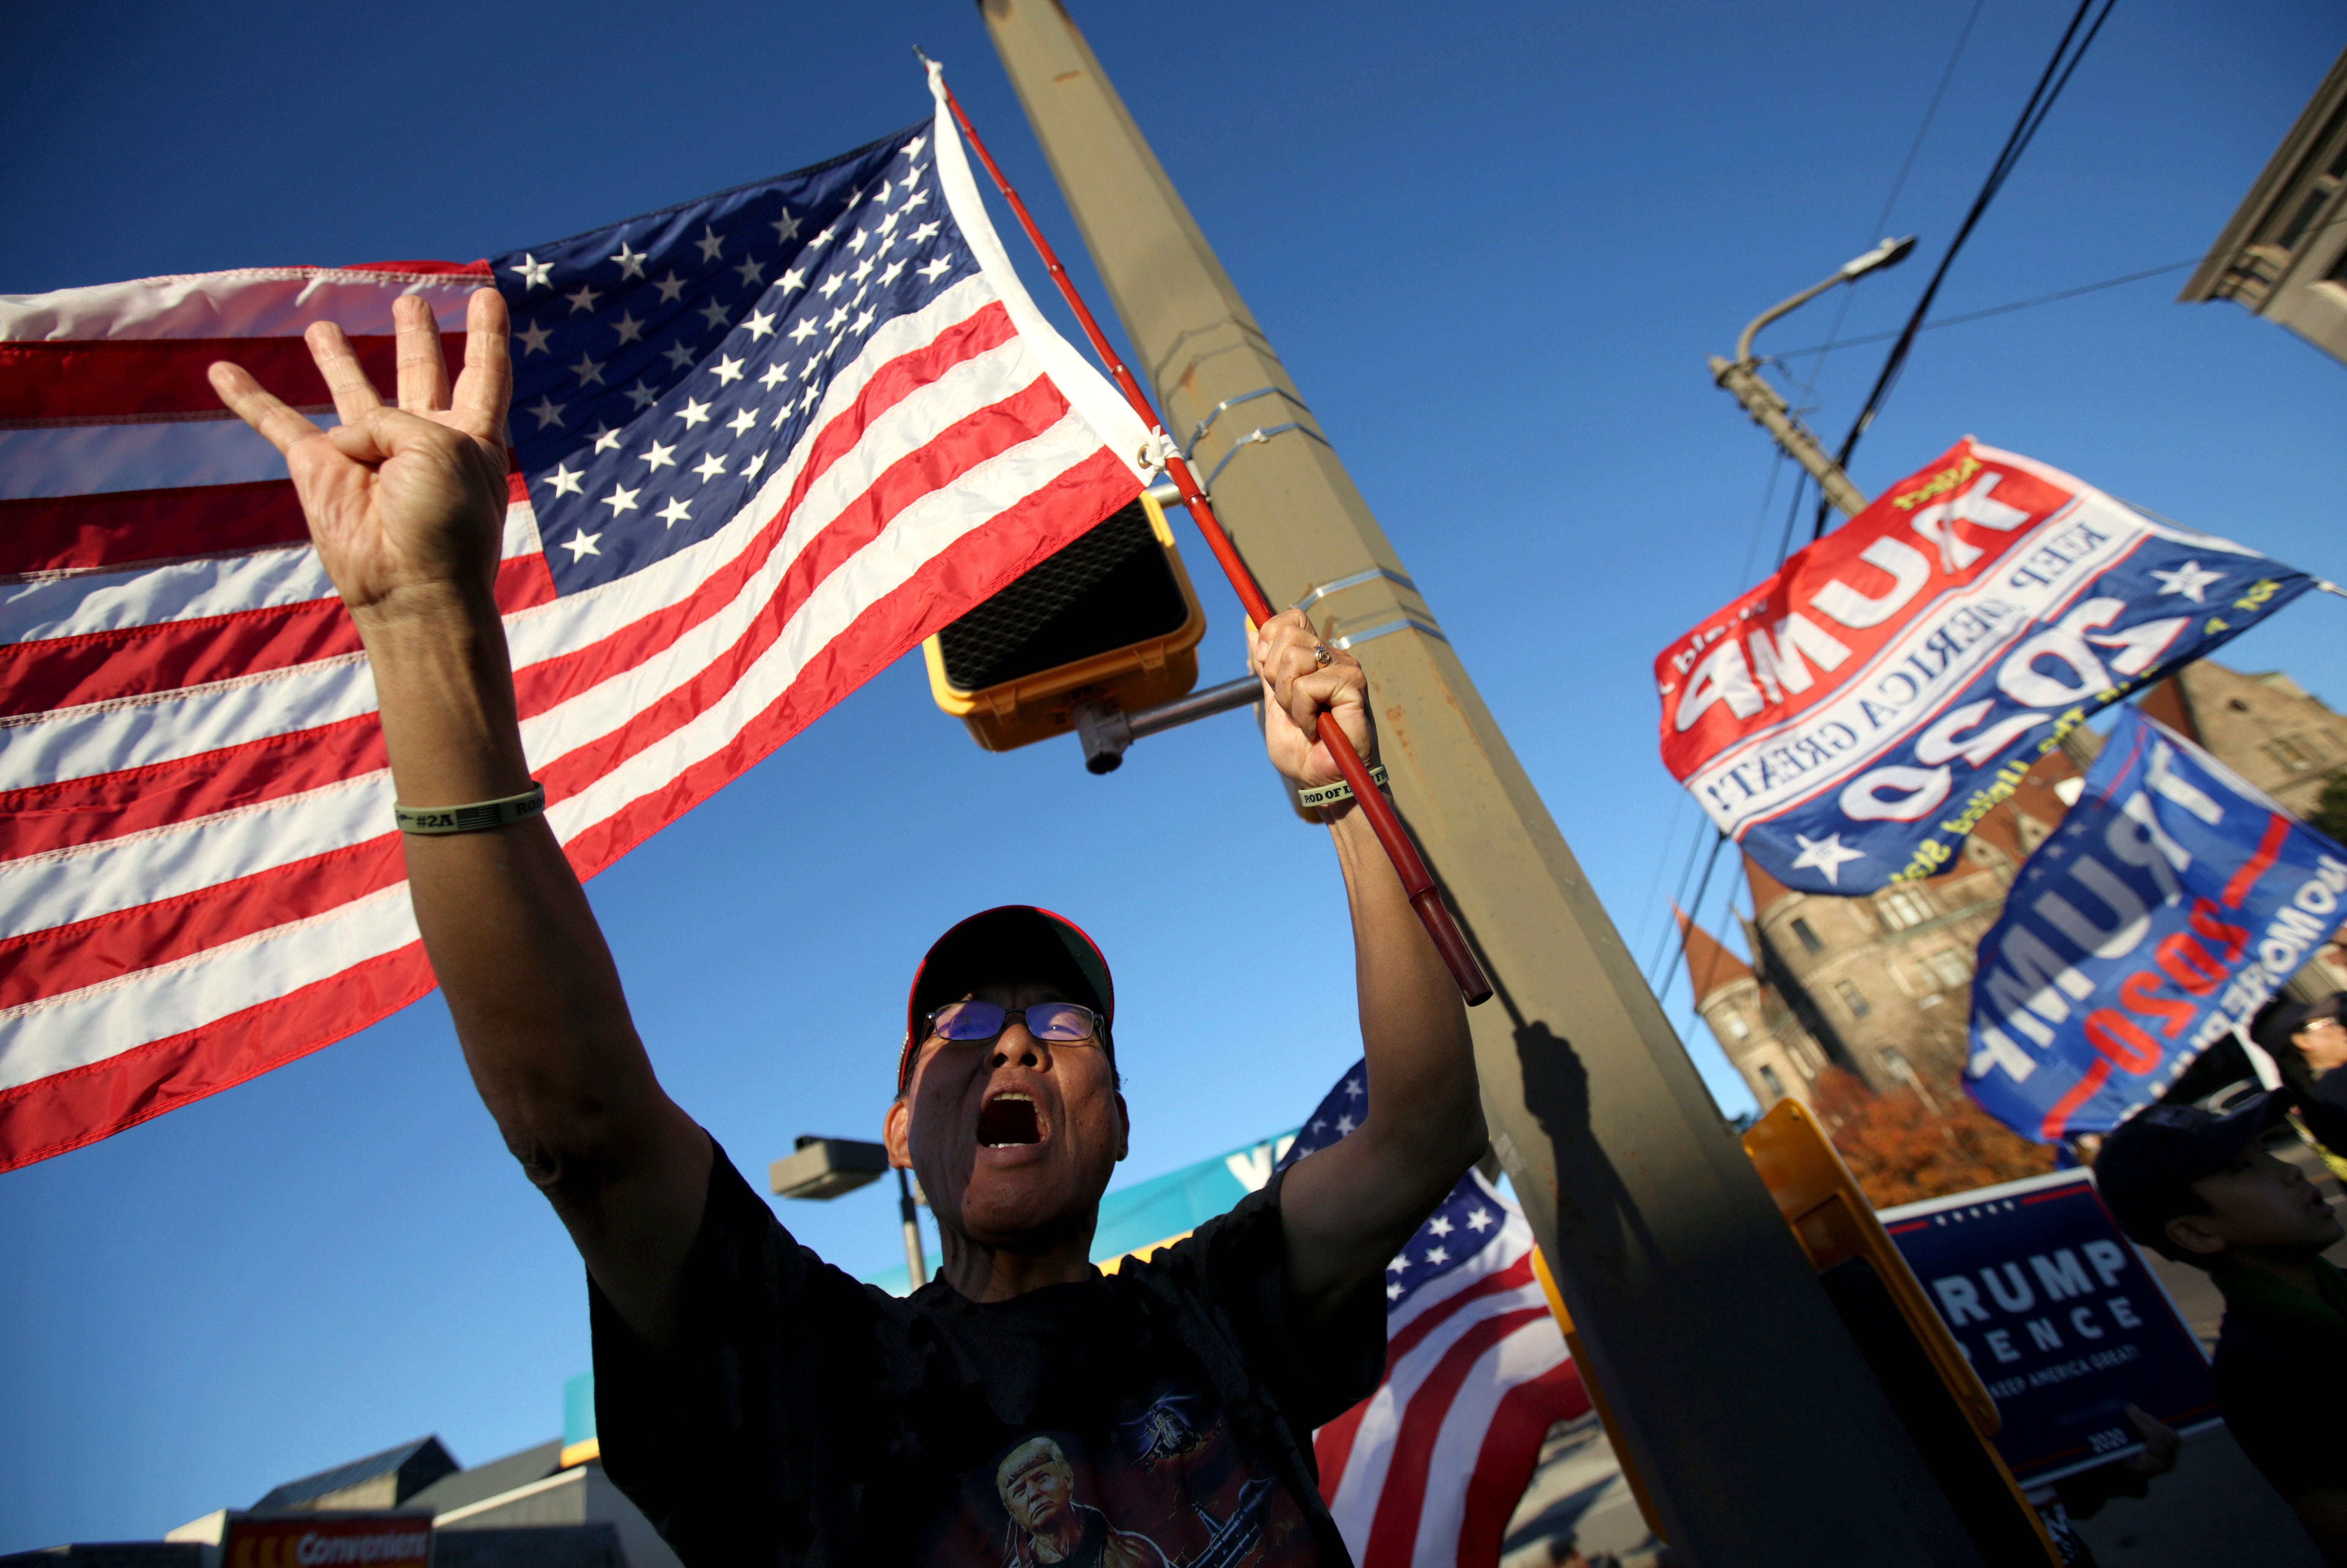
(1741, 376)
(1741, 1397)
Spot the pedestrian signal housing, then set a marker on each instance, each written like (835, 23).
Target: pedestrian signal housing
(1112, 619)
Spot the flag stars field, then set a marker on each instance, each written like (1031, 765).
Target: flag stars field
(683, 296)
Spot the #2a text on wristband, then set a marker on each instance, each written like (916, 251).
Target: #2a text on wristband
(432, 821)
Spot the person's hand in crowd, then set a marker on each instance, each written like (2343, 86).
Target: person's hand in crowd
(2161, 1443)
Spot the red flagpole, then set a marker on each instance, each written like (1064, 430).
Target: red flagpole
(1416, 880)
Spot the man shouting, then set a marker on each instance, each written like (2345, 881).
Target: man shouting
(759, 1405)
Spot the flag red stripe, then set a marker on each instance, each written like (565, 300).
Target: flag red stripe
(995, 553)
(954, 451)
(81, 532)
(1332, 1447)
(1510, 1451)
(106, 947)
(88, 380)
(988, 431)
(85, 811)
(2269, 851)
(1515, 1277)
(83, 1104)
(1393, 1532)
(981, 331)
(2059, 1117)
(143, 660)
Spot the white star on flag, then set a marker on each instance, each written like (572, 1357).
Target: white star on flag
(1828, 854)
(2191, 579)
(533, 272)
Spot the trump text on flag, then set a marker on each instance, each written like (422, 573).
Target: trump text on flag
(1851, 719)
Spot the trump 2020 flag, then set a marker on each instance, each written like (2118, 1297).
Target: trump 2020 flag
(2172, 901)
(1426, 1471)
(763, 443)
(1851, 719)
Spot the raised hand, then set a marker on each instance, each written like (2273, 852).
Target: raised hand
(404, 504)
(1303, 695)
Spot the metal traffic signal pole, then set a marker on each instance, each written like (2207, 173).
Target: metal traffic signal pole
(1748, 1408)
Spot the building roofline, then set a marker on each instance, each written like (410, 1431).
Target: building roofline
(2272, 182)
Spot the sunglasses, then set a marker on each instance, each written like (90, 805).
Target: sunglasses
(1063, 1023)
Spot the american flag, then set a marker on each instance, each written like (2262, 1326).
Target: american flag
(763, 443)
(1427, 1470)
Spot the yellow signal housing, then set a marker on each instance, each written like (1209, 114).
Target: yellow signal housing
(1111, 618)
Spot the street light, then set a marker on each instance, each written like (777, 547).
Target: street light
(825, 1167)
(1741, 376)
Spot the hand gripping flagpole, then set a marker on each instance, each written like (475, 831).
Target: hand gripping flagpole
(1407, 863)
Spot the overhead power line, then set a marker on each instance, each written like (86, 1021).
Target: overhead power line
(1991, 311)
(1882, 220)
(2042, 99)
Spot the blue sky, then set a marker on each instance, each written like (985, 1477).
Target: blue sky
(1493, 244)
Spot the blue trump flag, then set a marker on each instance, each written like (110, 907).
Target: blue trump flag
(2172, 902)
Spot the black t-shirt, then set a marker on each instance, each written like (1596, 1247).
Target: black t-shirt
(1158, 1416)
(2281, 1377)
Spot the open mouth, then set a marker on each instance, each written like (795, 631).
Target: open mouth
(1008, 1121)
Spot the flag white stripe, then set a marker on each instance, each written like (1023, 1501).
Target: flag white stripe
(86, 602)
(78, 604)
(106, 737)
(59, 460)
(1092, 395)
(1532, 1348)
(917, 535)
(54, 1034)
(83, 882)
(1372, 1453)
(575, 620)
(254, 301)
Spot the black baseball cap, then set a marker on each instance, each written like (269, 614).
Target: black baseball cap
(2284, 1018)
(1013, 942)
(2148, 1164)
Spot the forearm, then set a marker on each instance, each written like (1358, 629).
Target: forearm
(1424, 1103)
(404, 507)
(529, 982)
